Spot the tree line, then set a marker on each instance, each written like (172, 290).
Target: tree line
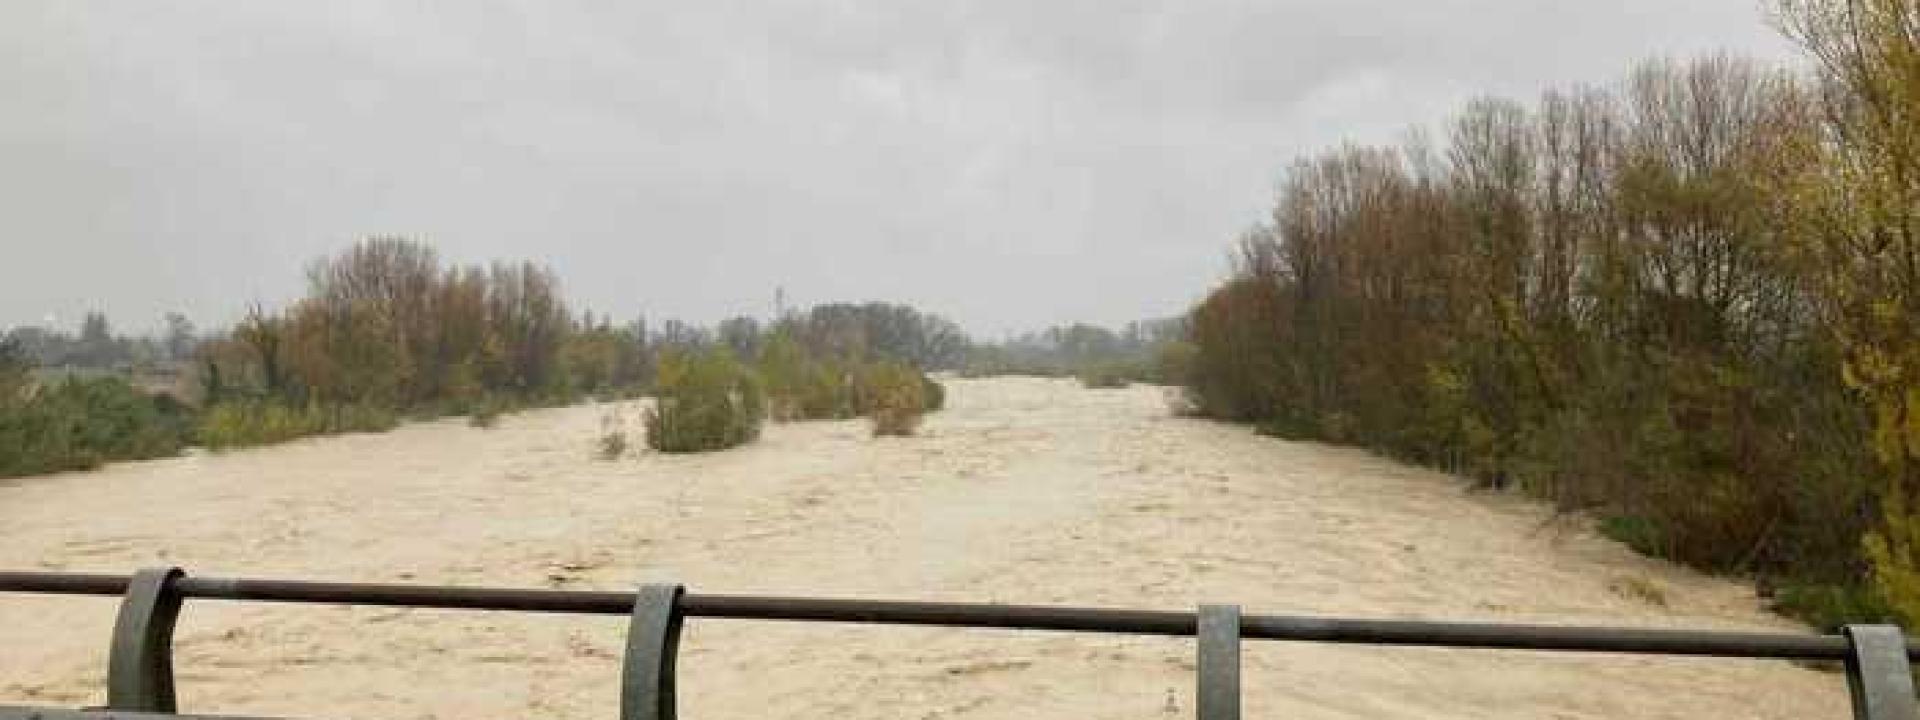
(1688, 303)
(1153, 351)
(97, 347)
(386, 331)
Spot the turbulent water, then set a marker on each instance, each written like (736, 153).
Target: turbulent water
(1023, 491)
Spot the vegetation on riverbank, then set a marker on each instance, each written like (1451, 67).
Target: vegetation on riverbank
(1687, 303)
(387, 332)
(80, 423)
(1143, 352)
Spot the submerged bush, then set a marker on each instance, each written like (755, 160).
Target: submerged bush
(784, 373)
(896, 398)
(247, 423)
(1106, 376)
(612, 443)
(934, 392)
(486, 412)
(827, 394)
(804, 386)
(706, 401)
(800, 386)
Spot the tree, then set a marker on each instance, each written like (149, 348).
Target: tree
(14, 371)
(531, 322)
(97, 346)
(179, 336)
(740, 335)
(94, 329)
(261, 333)
(1593, 299)
(1860, 216)
(871, 331)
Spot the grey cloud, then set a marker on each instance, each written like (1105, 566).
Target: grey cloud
(1008, 164)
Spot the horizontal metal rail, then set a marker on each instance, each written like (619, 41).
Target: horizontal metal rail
(140, 661)
(22, 712)
(980, 615)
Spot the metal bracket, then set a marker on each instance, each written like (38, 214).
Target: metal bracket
(1878, 674)
(1217, 632)
(653, 641)
(140, 666)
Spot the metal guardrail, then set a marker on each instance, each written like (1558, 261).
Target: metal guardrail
(140, 664)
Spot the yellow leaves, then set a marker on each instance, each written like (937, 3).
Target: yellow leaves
(1445, 384)
(673, 367)
(1870, 368)
(1889, 444)
(1886, 311)
(1894, 575)
(1891, 552)
(1911, 422)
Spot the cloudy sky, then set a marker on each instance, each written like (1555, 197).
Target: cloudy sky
(1007, 164)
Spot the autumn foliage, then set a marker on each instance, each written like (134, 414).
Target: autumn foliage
(1675, 303)
(387, 330)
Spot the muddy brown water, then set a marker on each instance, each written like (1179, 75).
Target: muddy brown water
(1023, 491)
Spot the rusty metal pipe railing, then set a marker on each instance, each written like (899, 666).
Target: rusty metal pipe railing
(140, 673)
(1023, 617)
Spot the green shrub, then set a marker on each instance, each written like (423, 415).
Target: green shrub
(16, 372)
(486, 412)
(934, 392)
(1639, 533)
(822, 391)
(79, 424)
(784, 372)
(1829, 607)
(1106, 376)
(243, 423)
(248, 423)
(706, 401)
(1173, 362)
(896, 398)
(827, 393)
(800, 386)
(361, 417)
(1288, 427)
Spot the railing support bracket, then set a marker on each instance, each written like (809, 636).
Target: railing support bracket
(653, 641)
(1878, 673)
(140, 664)
(1217, 632)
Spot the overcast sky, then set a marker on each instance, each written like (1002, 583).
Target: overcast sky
(1006, 164)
